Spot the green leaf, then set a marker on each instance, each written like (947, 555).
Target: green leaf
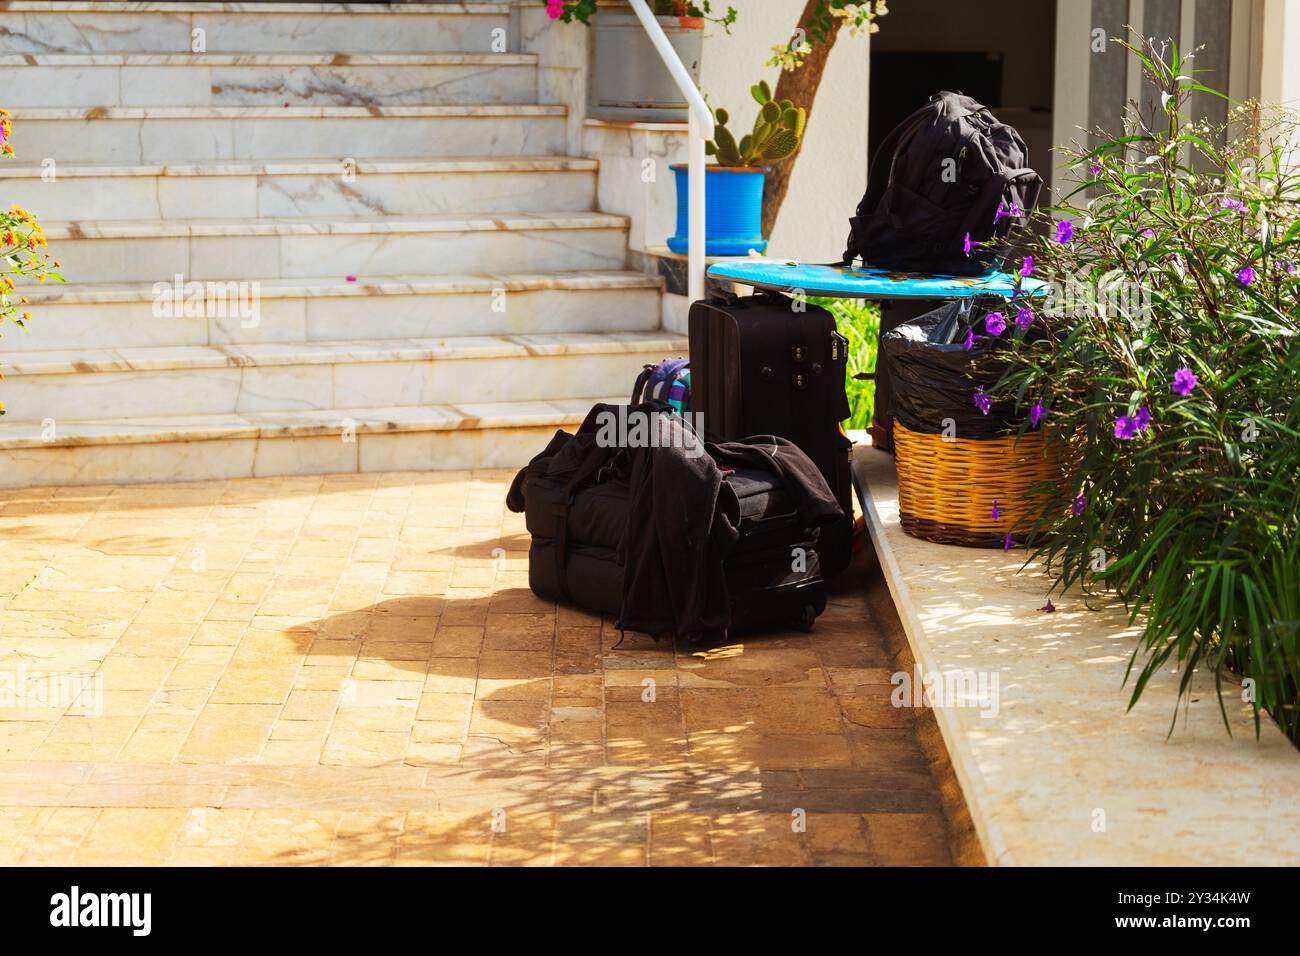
(782, 144)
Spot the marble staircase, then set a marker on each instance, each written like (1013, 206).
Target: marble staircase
(339, 238)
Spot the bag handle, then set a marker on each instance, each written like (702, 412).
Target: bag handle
(996, 188)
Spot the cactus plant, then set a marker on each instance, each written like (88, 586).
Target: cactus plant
(778, 130)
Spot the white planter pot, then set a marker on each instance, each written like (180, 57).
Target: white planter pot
(628, 80)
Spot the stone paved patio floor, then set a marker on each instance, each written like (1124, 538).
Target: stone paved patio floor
(351, 670)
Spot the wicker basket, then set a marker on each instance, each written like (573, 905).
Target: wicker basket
(946, 489)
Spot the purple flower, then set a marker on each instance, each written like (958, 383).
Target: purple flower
(971, 339)
(1005, 210)
(1184, 381)
(1127, 426)
(1288, 267)
(995, 323)
(1147, 233)
(997, 512)
(1095, 168)
(1006, 541)
(1049, 607)
(966, 245)
(1023, 319)
(1027, 269)
(1236, 204)
(1064, 231)
(1246, 275)
(1036, 414)
(1076, 509)
(982, 401)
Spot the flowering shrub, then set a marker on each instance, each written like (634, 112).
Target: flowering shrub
(22, 250)
(567, 11)
(1177, 378)
(829, 16)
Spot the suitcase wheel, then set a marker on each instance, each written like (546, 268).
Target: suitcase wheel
(807, 618)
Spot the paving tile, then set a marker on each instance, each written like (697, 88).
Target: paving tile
(338, 670)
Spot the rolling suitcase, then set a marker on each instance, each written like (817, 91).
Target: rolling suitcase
(768, 365)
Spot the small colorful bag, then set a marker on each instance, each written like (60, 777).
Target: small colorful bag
(669, 381)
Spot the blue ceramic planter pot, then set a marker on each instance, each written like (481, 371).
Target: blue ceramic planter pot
(733, 211)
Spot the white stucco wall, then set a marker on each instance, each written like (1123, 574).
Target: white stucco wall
(831, 172)
(1279, 51)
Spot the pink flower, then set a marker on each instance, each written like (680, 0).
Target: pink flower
(554, 8)
(350, 278)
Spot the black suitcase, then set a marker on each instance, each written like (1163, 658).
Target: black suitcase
(766, 365)
(773, 574)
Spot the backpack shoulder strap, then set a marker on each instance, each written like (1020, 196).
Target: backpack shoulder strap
(639, 387)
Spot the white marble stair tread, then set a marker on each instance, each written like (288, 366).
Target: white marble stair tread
(21, 114)
(298, 424)
(268, 59)
(307, 226)
(328, 286)
(268, 354)
(305, 167)
(256, 6)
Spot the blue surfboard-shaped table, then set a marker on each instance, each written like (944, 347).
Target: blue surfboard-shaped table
(849, 282)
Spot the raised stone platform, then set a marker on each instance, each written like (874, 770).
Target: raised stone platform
(1053, 768)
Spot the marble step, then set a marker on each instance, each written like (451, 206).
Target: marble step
(136, 315)
(262, 190)
(71, 26)
(191, 134)
(340, 440)
(243, 250)
(265, 377)
(267, 79)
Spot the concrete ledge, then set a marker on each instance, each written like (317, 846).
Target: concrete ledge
(1053, 768)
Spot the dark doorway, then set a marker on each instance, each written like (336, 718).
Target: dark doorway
(902, 82)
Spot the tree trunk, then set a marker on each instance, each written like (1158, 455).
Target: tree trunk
(800, 87)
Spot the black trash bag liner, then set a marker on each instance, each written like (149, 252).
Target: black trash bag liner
(935, 378)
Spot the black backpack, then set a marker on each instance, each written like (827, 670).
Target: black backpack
(950, 171)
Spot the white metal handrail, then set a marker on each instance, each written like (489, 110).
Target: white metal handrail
(699, 128)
